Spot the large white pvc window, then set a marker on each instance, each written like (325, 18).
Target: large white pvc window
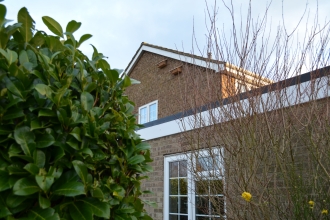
(193, 186)
(148, 112)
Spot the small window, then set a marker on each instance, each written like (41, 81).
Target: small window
(148, 112)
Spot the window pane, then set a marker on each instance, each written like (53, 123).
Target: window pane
(208, 163)
(202, 187)
(183, 217)
(216, 187)
(184, 205)
(202, 164)
(217, 205)
(143, 115)
(173, 217)
(174, 169)
(202, 205)
(174, 204)
(153, 112)
(202, 218)
(174, 185)
(183, 186)
(183, 168)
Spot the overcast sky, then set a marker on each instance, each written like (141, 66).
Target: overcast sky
(119, 26)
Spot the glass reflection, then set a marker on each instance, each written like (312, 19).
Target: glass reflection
(184, 205)
(183, 187)
(202, 206)
(174, 185)
(183, 168)
(174, 169)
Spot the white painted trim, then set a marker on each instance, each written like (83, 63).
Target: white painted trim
(187, 59)
(296, 94)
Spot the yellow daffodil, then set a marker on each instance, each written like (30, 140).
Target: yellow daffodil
(247, 196)
(324, 211)
(311, 204)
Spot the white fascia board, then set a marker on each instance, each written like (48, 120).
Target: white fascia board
(187, 59)
(292, 95)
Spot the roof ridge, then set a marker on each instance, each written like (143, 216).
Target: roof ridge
(193, 56)
(183, 53)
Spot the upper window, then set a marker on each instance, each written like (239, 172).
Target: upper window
(148, 112)
(193, 186)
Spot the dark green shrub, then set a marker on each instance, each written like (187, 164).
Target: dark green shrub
(68, 148)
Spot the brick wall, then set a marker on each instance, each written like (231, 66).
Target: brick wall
(297, 152)
(175, 93)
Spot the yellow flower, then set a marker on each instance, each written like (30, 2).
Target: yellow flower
(324, 211)
(247, 196)
(311, 204)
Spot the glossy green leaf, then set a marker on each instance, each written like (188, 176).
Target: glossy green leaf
(13, 201)
(84, 38)
(97, 193)
(76, 133)
(142, 146)
(135, 159)
(70, 189)
(3, 11)
(25, 138)
(87, 101)
(100, 209)
(118, 191)
(46, 112)
(12, 87)
(32, 58)
(32, 168)
(55, 172)
(23, 57)
(43, 214)
(43, 202)
(53, 25)
(103, 64)
(57, 153)
(39, 158)
(72, 142)
(4, 212)
(14, 170)
(146, 168)
(35, 124)
(125, 209)
(44, 140)
(44, 182)
(11, 56)
(44, 90)
(127, 82)
(80, 211)
(4, 176)
(81, 170)
(72, 26)
(90, 87)
(25, 186)
(27, 22)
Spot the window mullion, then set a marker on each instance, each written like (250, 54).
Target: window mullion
(191, 190)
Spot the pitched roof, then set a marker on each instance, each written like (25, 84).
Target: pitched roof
(175, 54)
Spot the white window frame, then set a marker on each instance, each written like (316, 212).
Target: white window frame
(191, 161)
(148, 113)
